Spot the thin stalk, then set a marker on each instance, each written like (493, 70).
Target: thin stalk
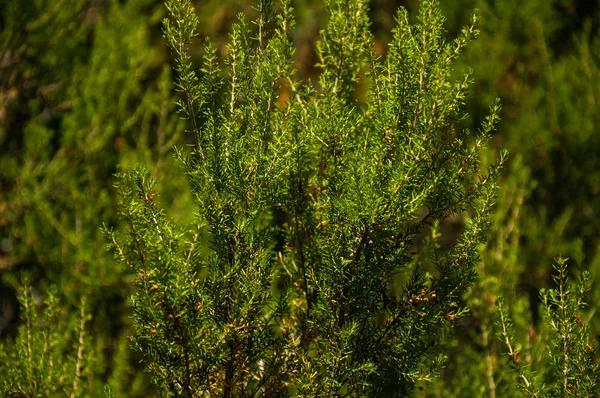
(78, 364)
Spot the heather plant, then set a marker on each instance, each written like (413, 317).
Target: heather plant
(541, 59)
(321, 252)
(570, 366)
(315, 263)
(51, 355)
(85, 88)
(547, 201)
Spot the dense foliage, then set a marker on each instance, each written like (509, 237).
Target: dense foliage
(329, 300)
(322, 229)
(71, 114)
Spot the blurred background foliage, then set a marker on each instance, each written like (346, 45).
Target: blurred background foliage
(85, 86)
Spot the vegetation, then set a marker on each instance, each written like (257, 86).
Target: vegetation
(318, 230)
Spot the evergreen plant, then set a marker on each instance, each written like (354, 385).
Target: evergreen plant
(315, 264)
(569, 366)
(83, 87)
(543, 67)
(51, 355)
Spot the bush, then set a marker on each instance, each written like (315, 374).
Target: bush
(314, 264)
(85, 89)
(328, 235)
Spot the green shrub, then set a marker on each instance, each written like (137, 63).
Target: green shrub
(86, 89)
(314, 264)
(48, 358)
(313, 248)
(566, 362)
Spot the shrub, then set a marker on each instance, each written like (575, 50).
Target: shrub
(315, 264)
(83, 88)
(48, 358)
(567, 364)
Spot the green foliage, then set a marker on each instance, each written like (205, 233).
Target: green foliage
(541, 58)
(109, 110)
(314, 252)
(305, 271)
(51, 355)
(572, 368)
(89, 90)
(547, 201)
(34, 68)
